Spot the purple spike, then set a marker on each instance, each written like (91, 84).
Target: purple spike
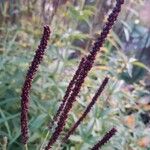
(93, 101)
(105, 139)
(67, 93)
(88, 63)
(28, 82)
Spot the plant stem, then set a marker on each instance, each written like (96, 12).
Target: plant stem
(4, 147)
(41, 148)
(26, 147)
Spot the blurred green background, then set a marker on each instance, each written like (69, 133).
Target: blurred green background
(75, 24)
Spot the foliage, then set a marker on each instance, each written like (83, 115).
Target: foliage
(118, 106)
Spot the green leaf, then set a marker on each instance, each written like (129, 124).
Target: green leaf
(141, 65)
(76, 138)
(90, 126)
(5, 119)
(37, 123)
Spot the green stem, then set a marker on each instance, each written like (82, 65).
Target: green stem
(26, 147)
(45, 140)
(4, 147)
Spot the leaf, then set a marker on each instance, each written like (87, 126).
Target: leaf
(5, 119)
(8, 100)
(34, 137)
(141, 65)
(90, 126)
(115, 36)
(74, 12)
(37, 123)
(129, 69)
(127, 35)
(126, 25)
(105, 112)
(76, 138)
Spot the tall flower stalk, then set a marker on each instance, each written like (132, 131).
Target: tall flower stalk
(87, 110)
(28, 82)
(83, 69)
(105, 139)
(67, 93)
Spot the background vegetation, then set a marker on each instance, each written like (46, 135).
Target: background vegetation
(125, 57)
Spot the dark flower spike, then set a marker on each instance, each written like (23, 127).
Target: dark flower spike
(67, 93)
(105, 139)
(28, 82)
(89, 60)
(93, 101)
